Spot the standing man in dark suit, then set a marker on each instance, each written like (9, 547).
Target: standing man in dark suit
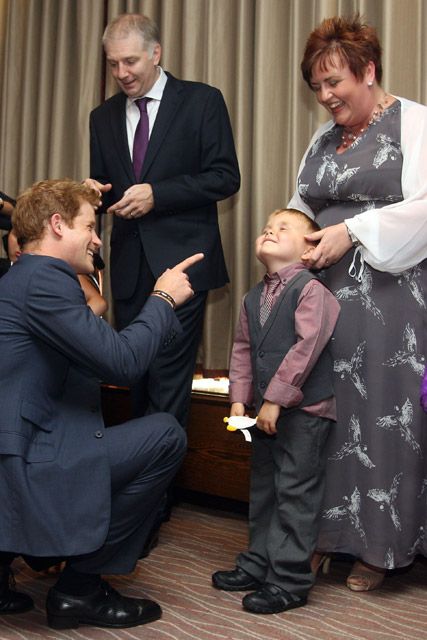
(68, 486)
(165, 208)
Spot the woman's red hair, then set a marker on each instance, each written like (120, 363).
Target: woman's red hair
(356, 44)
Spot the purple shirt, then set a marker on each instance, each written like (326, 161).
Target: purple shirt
(315, 319)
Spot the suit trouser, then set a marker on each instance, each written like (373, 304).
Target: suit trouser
(287, 483)
(145, 455)
(167, 384)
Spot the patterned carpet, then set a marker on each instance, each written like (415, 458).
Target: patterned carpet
(198, 541)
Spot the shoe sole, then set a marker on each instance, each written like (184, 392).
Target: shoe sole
(293, 605)
(361, 588)
(16, 613)
(249, 587)
(68, 622)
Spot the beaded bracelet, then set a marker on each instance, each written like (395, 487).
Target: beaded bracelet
(165, 296)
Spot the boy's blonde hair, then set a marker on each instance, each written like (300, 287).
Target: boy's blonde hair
(311, 224)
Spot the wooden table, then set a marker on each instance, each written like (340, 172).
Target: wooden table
(217, 461)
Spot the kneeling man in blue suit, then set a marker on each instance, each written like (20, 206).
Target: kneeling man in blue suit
(68, 486)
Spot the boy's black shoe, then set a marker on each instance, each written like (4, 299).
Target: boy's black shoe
(235, 580)
(272, 599)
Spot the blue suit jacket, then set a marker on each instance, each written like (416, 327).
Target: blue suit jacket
(54, 472)
(190, 163)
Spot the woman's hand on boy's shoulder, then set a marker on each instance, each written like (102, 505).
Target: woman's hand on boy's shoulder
(332, 243)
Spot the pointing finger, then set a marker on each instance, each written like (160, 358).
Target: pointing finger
(188, 262)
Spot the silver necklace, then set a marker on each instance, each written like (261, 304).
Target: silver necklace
(348, 136)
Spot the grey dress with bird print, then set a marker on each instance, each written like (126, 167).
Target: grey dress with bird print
(375, 505)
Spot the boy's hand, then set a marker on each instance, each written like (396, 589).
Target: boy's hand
(267, 417)
(237, 409)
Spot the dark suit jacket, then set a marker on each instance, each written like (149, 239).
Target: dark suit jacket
(54, 470)
(190, 163)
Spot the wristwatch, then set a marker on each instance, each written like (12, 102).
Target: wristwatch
(1, 203)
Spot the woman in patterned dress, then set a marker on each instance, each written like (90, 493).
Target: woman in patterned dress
(364, 179)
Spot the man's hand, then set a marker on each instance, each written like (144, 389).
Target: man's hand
(175, 282)
(98, 187)
(137, 201)
(334, 242)
(267, 417)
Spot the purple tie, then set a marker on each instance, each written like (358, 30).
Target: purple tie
(267, 305)
(140, 142)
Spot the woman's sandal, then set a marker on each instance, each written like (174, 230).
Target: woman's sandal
(365, 577)
(320, 561)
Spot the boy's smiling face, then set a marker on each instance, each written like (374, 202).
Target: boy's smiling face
(282, 241)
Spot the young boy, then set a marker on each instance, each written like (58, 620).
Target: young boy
(280, 364)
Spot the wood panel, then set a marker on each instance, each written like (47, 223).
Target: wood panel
(217, 461)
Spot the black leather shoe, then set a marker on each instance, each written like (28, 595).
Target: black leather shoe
(236, 580)
(272, 599)
(12, 601)
(105, 607)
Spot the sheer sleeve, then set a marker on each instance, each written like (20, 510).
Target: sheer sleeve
(394, 238)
